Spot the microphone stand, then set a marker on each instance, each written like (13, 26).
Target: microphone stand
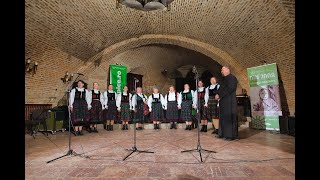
(134, 148)
(199, 148)
(70, 151)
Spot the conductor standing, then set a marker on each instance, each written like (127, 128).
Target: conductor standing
(228, 124)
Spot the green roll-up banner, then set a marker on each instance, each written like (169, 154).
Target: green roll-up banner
(264, 96)
(118, 77)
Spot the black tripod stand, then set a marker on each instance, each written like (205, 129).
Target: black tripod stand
(199, 148)
(70, 151)
(134, 148)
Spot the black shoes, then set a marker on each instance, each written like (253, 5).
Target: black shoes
(205, 128)
(174, 126)
(78, 133)
(156, 126)
(218, 136)
(229, 139)
(95, 130)
(189, 127)
(123, 127)
(81, 133)
(109, 127)
(105, 126)
(126, 127)
(215, 131)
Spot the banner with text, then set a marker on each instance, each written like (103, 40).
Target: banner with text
(264, 96)
(118, 77)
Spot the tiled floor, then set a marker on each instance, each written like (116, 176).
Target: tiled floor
(257, 154)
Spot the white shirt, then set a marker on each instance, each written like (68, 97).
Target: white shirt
(195, 96)
(206, 96)
(172, 97)
(96, 91)
(193, 99)
(118, 102)
(105, 95)
(155, 96)
(134, 100)
(72, 95)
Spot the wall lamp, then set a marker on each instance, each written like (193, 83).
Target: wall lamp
(67, 77)
(30, 67)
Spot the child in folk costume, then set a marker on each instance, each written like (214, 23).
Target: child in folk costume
(186, 102)
(155, 103)
(139, 100)
(124, 107)
(211, 103)
(171, 107)
(111, 112)
(200, 93)
(96, 108)
(79, 104)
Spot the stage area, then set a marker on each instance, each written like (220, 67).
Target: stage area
(257, 154)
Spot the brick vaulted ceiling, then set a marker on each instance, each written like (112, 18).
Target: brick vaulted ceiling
(239, 33)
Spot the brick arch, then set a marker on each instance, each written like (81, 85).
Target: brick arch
(211, 51)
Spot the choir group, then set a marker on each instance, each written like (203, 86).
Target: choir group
(89, 108)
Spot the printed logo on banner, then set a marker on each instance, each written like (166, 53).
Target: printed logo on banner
(265, 97)
(118, 77)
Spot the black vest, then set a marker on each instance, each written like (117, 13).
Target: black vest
(214, 91)
(80, 95)
(125, 98)
(140, 99)
(186, 96)
(201, 94)
(111, 96)
(95, 96)
(156, 100)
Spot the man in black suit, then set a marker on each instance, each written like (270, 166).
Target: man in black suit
(228, 124)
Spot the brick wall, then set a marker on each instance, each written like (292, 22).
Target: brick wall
(46, 83)
(241, 34)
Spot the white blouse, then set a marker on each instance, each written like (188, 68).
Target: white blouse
(105, 95)
(206, 96)
(101, 96)
(172, 97)
(193, 99)
(72, 95)
(134, 100)
(118, 102)
(155, 96)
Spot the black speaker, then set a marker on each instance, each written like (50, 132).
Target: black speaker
(60, 115)
(284, 125)
(287, 125)
(292, 125)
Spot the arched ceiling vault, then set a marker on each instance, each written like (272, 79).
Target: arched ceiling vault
(238, 33)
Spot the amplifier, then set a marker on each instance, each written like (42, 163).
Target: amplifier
(287, 125)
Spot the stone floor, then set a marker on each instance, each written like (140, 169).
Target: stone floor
(257, 154)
